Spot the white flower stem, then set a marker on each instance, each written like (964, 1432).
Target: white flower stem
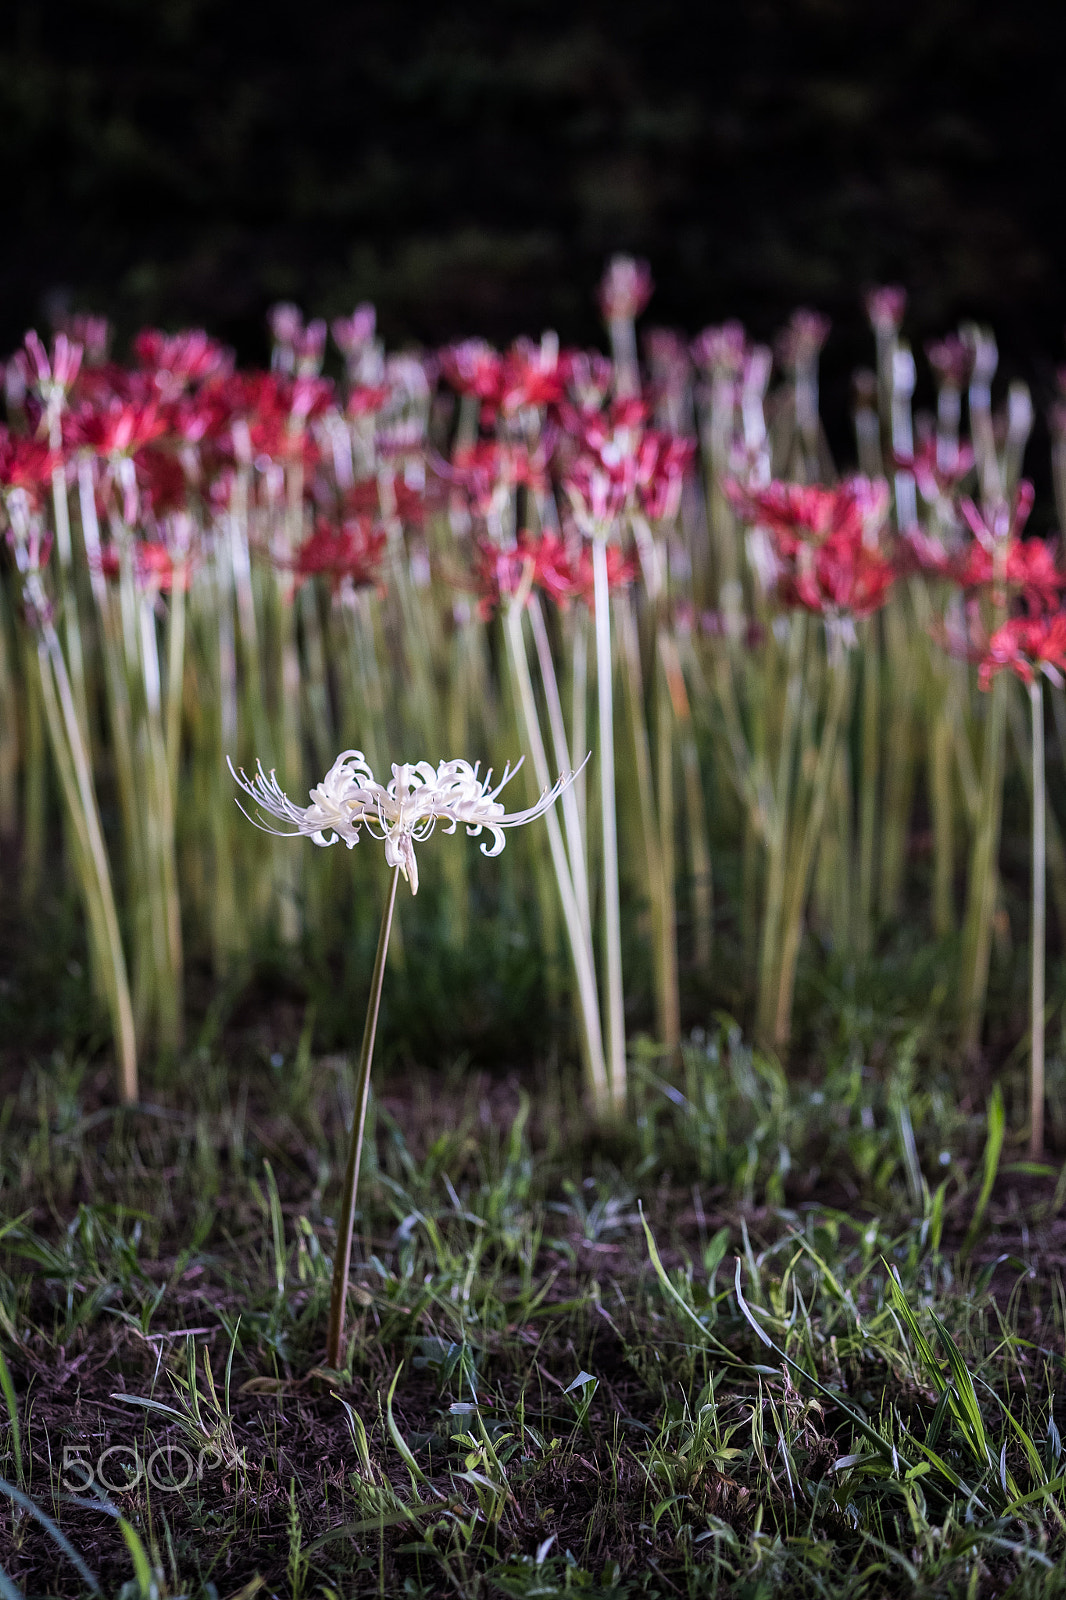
(616, 1037)
(1039, 925)
(346, 1221)
(571, 815)
(580, 943)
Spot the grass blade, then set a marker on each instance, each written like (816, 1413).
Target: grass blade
(50, 1528)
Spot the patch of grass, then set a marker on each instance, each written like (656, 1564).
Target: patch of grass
(797, 1380)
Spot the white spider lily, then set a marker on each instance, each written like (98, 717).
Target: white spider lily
(401, 813)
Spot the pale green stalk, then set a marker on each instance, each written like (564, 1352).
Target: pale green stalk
(941, 801)
(9, 727)
(664, 938)
(671, 996)
(579, 688)
(616, 1022)
(1039, 927)
(981, 900)
(1055, 851)
(175, 677)
(801, 861)
(68, 593)
(575, 834)
(600, 1084)
(34, 783)
(160, 839)
(76, 778)
(695, 807)
(290, 874)
(777, 837)
(901, 660)
(868, 782)
(346, 1218)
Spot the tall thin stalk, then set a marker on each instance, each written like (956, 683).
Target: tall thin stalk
(346, 1220)
(600, 1084)
(1039, 926)
(616, 1024)
(981, 903)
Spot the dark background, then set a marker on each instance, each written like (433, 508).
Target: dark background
(469, 168)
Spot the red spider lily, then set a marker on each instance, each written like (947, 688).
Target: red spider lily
(297, 348)
(25, 463)
(597, 497)
(352, 334)
(154, 566)
(545, 562)
(201, 416)
(532, 375)
(797, 514)
(92, 333)
(178, 361)
(161, 481)
(803, 338)
(272, 415)
(51, 376)
(721, 349)
(842, 576)
(936, 478)
(952, 361)
(920, 552)
(348, 555)
(1027, 567)
(1003, 522)
(366, 399)
(97, 386)
(483, 469)
(409, 501)
(1026, 646)
(625, 289)
(885, 307)
(621, 571)
(590, 376)
(663, 460)
(475, 368)
(498, 572)
(119, 429)
(614, 428)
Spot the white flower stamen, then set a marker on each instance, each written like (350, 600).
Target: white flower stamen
(400, 814)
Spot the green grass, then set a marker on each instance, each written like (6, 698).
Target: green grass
(770, 1337)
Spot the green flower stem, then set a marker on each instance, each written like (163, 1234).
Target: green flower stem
(801, 860)
(981, 902)
(616, 1025)
(346, 1221)
(76, 779)
(770, 954)
(599, 1084)
(575, 836)
(868, 783)
(1039, 926)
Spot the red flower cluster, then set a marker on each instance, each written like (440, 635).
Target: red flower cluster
(25, 463)
(348, 554)
(825, 543)
(1026, 646)
(547, 562)
(625, 289)
(623, 464)
(153, 565)
(528, 375)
